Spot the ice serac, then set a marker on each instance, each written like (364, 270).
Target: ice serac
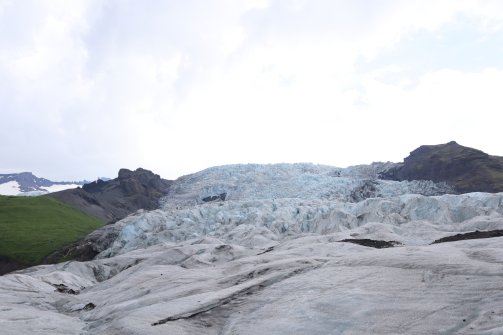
(254, 249)
(408, 219)
(303, 180)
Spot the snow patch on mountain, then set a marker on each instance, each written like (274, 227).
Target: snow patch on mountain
(9, 188)
(60, 187)
(27, 184)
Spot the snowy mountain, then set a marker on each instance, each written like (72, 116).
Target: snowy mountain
(26, 183)
(279, 249)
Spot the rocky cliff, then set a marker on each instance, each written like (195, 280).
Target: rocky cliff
(114, 199)
(463, 168)
(110, 201)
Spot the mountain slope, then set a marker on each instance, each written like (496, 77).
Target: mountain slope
(33, 227)
(114, 199)
(110, 201)
(465, 169)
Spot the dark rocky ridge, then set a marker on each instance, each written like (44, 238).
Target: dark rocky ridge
(114, 199)
(8, 265)
(87, 248)
(463, 168)
(109, 201)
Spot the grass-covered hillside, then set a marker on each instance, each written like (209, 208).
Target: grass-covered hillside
(33, 227)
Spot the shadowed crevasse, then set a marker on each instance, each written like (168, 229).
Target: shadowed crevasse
(373, 243)
(470, 236)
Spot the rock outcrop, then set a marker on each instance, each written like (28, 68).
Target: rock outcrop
(114, 199)
(8, 265)
(463, 168)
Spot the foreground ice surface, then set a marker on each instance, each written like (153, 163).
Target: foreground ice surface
(262, 264)
(309, 285)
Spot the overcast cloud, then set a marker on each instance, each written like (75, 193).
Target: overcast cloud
(88, 87)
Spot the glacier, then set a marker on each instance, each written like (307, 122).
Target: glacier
(301, 180)
(257, 249)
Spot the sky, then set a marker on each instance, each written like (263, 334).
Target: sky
(89, 87)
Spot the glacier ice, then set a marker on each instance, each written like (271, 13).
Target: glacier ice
(301, 180)
(409, 219)
(268, 260)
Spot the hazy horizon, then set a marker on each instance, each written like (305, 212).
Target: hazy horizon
(89, 87)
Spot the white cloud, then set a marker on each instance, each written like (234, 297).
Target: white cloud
(445, 105)
(178, 86)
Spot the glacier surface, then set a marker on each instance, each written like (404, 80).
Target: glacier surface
(254, 249)
(301, 180)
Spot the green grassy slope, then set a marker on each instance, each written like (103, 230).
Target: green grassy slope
(33, 227)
